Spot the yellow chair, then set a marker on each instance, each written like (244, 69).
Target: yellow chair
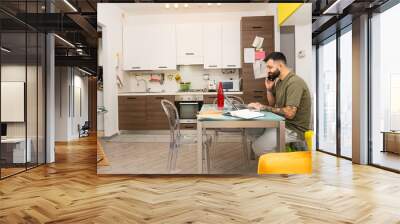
(288, 162)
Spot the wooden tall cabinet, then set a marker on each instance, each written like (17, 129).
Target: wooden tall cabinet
(263, 26)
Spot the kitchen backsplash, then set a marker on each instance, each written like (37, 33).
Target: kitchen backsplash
(188, 73)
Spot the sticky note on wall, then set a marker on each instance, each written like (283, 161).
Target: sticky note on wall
(260, 55)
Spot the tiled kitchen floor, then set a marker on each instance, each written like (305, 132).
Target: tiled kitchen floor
(148, 153)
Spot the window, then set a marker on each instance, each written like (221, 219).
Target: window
(346, 94)
(327, 96)
(385, 88)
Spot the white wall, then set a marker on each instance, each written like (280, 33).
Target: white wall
(109, 18)
(302, 21)
(100, 98)
(66, 120)
(189, 73)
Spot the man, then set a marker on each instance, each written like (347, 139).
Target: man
(287, 96)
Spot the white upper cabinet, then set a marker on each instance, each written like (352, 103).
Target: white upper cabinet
(136, 43)
(149, 47)
(231, 45)
(189, 42)
(212, 45)
(164, 53)
(164, 46)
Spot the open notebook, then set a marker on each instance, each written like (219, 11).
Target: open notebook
(245, 114)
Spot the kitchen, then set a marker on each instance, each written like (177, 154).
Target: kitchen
(176, 52)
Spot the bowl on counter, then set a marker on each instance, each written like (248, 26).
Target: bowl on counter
(184, 86)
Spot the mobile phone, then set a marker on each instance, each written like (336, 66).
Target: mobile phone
(271, 78)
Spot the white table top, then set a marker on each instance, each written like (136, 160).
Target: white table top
(173, 93)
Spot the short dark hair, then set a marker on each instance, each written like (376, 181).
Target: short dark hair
(276, 56)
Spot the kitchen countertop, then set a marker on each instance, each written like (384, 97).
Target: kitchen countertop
(172, 93)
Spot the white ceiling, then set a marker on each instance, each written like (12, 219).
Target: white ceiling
(159, 8)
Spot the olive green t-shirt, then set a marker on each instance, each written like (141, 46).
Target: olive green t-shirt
(293, 91)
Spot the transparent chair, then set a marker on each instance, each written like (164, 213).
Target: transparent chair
(236, 101)
(176, 138)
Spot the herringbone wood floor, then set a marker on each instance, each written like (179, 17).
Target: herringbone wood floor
(70, 191)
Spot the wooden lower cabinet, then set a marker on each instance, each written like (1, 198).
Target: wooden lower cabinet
(188, 126)
(132, 112)
(142, 112)
(156, 119)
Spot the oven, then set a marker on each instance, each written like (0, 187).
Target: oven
(188, 107)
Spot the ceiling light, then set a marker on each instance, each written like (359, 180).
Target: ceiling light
(209, 4)
(186, 5)
(5, 50)
(70, 5)
(65, 41)
(338, 6)
(176, 5)
(86, 72)
(218, 4)
(167, 6)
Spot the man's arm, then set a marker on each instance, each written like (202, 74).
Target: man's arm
(270, 98)
(289, 112)
(293, 100)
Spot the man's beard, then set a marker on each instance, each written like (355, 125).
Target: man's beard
(274, 75)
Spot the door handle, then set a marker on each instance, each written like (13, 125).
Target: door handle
(189, 53)
(136, 67)
(212, 66)
(231, 65)
(162, 67)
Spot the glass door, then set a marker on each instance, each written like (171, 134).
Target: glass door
(327, 93)
(346, 94)
(385, 90)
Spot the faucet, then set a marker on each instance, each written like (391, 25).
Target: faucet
(145, 85)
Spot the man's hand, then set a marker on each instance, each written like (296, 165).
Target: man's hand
(256, 106)
(269, 84)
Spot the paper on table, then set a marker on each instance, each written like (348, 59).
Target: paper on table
(246, 114)
(258, 41)
(259, 69)
(249, 55)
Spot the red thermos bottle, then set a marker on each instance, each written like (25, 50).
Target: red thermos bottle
(220, 97)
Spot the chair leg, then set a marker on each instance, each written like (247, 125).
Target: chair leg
(170, 156)
(245, 149)
(213, 148)
(175, 157)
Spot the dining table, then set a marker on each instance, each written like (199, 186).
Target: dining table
(210, 117)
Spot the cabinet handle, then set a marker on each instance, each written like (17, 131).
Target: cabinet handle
(135, 67)
(189, 53)
(256, 27)
(159, 98)
(162, 67)
(212, 66)
(258, 96)
(131, 98)
(231, 65)
(189, 126)
(259, 91)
